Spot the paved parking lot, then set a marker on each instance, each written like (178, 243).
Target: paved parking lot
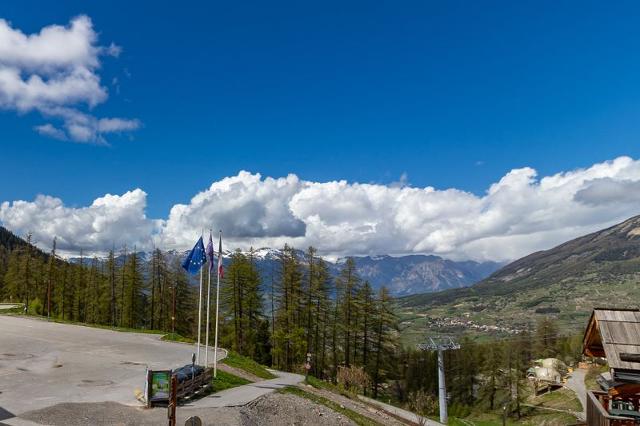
(44, 363)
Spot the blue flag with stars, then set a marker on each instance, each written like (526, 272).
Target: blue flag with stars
(195, 259)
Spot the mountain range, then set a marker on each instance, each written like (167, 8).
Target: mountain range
(402, 275)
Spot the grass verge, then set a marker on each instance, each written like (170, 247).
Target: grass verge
(591, 376)
(88, 324)
(169, 337)
(236, 360)
(562, 399)
(227, 381)
(175, 337)
(356, 417)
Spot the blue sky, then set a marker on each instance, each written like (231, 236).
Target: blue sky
(454, 94)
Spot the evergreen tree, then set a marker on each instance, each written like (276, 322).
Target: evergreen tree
(134, 302)
(385, 338)
(347, 285)
(289, 336)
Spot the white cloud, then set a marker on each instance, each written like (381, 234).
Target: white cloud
(54, 72)
(109, 220)
(244, 206)
(517, 215)
(51, 131)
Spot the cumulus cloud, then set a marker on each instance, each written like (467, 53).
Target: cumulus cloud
(54, 72)
(609, 192)
(109, 220)
(244, 206)
(516, 215)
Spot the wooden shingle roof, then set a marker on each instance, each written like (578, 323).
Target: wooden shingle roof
(614, 334)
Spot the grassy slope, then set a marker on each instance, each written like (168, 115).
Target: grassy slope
(226, 381)
(247, 364)
(561, 399)
(175, 337)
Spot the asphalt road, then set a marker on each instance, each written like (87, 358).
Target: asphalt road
(44, 363)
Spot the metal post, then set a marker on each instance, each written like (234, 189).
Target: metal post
(173, 309)
(440, 344)
(215, 345)
(206, 339)
(199, 318)
(442, 388)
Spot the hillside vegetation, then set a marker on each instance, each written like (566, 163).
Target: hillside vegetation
(564, 283)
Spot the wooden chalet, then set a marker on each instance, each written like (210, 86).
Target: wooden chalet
(614, 334)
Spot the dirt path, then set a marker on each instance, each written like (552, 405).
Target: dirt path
(399, 412)
(577, 385)
(377, 415)
(557, 410)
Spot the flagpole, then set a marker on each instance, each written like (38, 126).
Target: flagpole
(215, 345)
(206, 339)
(199, 315)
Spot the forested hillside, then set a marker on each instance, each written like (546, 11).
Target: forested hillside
(341, 322)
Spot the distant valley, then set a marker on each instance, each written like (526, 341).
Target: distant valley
(565, 283)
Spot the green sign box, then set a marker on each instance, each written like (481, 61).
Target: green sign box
(159, 385)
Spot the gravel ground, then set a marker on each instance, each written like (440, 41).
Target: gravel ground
(287, 409)
(272, 409)
(113, 413)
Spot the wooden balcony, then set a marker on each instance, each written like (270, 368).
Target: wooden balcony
(597, 414)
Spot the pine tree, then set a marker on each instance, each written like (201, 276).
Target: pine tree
(51, 275)
(111, 271)
(134, 286)
(385, 338)
(347, 285)
(289, 337)
(322, 299)
(185, 301)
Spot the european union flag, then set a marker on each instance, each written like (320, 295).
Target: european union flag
(195, 259)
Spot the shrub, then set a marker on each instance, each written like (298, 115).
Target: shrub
(353, 379)
(423, 404)
(35, 307)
